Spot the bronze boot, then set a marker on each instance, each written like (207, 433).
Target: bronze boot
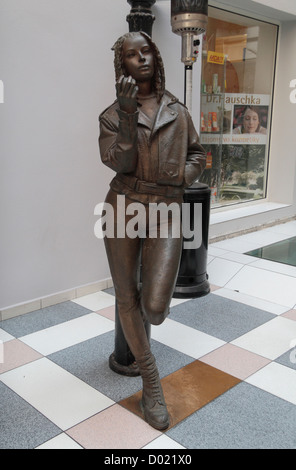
(153, 403)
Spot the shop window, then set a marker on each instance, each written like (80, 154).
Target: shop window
(238, 63)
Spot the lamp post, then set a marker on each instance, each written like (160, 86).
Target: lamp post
(188, 19)
(141, 17)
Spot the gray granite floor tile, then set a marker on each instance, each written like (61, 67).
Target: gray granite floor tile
(245, 417)
(43, 318)
(21, 425)
(223, 318)
(289, 360)
(110, 291)
(89, 362)
(168, 359)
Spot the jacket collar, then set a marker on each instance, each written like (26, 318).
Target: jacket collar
(164, 116)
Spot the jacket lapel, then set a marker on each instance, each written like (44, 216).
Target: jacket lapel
(144, 120)
(165, 114)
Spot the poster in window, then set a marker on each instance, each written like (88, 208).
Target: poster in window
(242, 137)
(245, 119)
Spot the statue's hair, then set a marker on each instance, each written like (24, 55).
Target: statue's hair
(158, 81)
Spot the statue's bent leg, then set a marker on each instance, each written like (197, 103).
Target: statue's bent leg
(160, 265)
(124, 261)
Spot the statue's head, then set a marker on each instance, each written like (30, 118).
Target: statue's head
(158, 78)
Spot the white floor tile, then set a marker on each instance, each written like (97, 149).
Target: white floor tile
(274, 267)
(187, 340)
(5, 336)
(61, 442)
(237, 257)
(274, 287)
(210, 259)
(235, 244)
(96, 301)
(276, 379)
(220, 271)
(289, 228)
(175, 302)
(251, 301)
(67, 334)
(262, 238)
(270, 340)
(163, 442)
(215, 251)
(54, 392)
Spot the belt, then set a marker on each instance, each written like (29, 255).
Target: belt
(144, 187)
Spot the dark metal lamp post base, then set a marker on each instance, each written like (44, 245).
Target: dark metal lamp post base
(130, 370)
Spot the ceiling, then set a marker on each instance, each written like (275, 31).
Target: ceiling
(288, 6)
(260, 7)
(286, 10)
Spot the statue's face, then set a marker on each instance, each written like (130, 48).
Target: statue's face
(138, 58)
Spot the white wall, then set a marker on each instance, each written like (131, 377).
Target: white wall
(282, 168)
(57, 68)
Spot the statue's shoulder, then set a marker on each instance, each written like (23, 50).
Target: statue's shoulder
(173, 99)
(110, 111)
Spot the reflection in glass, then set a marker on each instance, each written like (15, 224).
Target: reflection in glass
(281, 252)
(238, 61)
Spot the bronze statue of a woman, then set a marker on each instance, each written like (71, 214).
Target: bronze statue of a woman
(147, 137)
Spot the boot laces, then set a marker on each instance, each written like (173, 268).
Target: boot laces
(151, 377)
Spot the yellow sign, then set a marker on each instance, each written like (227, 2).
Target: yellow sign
(216, 57)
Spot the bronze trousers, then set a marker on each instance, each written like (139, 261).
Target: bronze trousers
(155, 254)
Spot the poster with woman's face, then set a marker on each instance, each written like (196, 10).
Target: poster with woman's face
(250, 119)
(244, 123)
(243, 118)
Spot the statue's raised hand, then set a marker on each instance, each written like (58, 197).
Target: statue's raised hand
(126, 90)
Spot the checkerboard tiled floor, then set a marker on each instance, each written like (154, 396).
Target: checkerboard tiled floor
(227, 362)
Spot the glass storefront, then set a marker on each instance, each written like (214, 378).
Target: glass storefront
(238, 63)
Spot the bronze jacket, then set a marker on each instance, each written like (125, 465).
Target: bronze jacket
(161, 158)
